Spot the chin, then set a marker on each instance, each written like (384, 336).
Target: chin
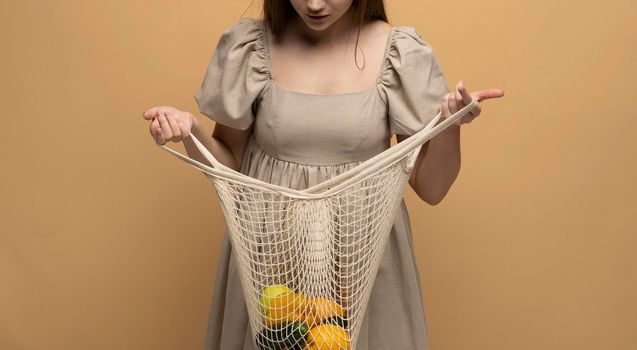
(318, 26)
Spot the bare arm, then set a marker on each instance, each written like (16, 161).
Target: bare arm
(226, 144)
(437, 165)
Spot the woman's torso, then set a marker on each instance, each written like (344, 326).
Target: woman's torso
(322, 129)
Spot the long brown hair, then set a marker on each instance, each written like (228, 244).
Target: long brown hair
(277, 13)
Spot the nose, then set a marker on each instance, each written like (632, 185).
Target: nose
(315, 6)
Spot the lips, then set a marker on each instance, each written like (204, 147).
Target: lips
(318, 18)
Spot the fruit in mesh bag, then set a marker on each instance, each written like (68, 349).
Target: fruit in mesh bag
(322, 309)
(288, 336)
(337, 320)
(269, 293)
(328, 337)
(285, 307)
(280, 304)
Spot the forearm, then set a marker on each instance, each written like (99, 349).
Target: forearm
(218, 149)
(439, 166)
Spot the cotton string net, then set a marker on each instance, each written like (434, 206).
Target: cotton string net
(307, 259)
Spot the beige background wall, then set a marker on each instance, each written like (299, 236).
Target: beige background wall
(108, 242)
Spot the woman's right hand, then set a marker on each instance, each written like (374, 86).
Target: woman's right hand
(169, 124)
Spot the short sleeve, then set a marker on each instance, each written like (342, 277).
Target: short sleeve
(235, 76)
(413, 82)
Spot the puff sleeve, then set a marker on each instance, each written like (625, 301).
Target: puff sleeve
(413, 82)
(235, 76)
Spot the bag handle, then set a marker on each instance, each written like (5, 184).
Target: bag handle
(370, 165)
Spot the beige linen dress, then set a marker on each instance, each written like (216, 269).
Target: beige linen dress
(302, 139)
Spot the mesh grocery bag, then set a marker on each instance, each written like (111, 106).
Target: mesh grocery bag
(307, 259)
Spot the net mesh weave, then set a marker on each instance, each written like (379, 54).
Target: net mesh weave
(307, 260)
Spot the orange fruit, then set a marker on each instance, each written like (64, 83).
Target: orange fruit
(321, 308)
(328, 337)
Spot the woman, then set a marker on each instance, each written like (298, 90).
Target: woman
(309, 92)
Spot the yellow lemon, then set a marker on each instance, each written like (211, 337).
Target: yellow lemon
(286, 307)
(269, 293)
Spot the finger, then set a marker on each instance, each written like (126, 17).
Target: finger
(165, 127)
(453, 102)
(488, 93)
(148, 114)
(476, 110)
(184, 123)
(151, 112)
(153, 127)
(176, 130)
(459, 100)
(161, 139)
(445, 106)
(466, 96)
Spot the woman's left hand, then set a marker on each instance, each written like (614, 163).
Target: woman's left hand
(456, 100)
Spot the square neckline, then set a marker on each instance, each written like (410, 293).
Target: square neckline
(266, 49)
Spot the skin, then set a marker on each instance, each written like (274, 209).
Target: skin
(328, 30)
(328, 47)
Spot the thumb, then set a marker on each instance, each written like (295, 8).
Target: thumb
(150, 113)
